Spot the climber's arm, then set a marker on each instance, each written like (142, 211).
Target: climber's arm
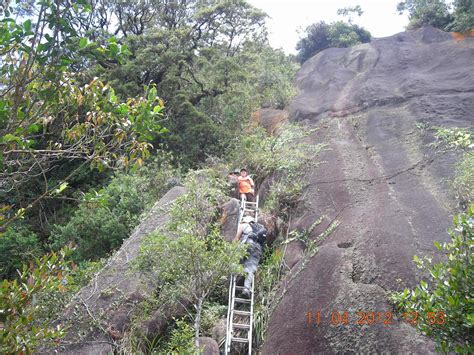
(238, 235)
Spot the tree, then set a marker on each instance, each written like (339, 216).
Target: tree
(426, 13)
(23, 324)
(463, 16)
(212, 69)
(321, 36)
(349, 11)
(442, 302)
(51, 116)
(193, 258)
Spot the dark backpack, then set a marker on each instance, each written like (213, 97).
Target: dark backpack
(259, 233)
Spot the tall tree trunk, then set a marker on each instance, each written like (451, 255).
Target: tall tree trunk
(197, 321)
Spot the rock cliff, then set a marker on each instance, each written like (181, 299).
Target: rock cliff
(372, 104)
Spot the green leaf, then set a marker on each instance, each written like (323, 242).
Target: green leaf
(83, 42)
(34, 128)
(61, 188)
(9, 138)
(27, 25)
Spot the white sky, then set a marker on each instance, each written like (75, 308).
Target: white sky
(287, 17)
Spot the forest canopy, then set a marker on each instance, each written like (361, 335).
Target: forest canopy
(92, 89)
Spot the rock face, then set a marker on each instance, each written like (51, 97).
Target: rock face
(386, 187)
(270, 119)
(112, 295)
(208, 346)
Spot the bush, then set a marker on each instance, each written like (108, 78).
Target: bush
(263, 154)
(463, 183)
(457, 15)
(18, 245)
(443, 302)
(23, 324)
(181, 340)
(426, 13)
(320, 36)
(96, 230)
(106, 218)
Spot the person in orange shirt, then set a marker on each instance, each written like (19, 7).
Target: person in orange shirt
(246, 186)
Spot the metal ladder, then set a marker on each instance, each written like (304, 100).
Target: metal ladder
(240, 308)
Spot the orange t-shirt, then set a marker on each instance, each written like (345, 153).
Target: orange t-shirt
(245, 185)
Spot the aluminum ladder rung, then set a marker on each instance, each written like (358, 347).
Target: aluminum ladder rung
(242, 300)
(240, 340)
(241, 313)
(240, 288)
(241, 326)
(233, 300)
(249, 210)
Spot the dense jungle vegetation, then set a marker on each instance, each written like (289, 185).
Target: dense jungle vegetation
(106, 104)
(92, 89)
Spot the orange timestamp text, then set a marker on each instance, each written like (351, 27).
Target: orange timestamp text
(317, 318)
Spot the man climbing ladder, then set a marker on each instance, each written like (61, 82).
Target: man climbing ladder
(240, 309)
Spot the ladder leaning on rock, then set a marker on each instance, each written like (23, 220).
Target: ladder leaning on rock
(240, 309)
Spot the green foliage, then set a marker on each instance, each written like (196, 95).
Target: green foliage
(23, 326)
(269, 273)
(426, 13)
(348, 11)
(320, 36)
(193, 258)
(212, 312)
(444, 299)
(189, 267)
(459, 139)
(453, 138)
(463, 16)
(18, 245)
(96, 231)
(213, 68)
(106, 217)
(181, 340)
(463, 182)
(457, 15)
(286, 152)
(283, 196)
(49, 116)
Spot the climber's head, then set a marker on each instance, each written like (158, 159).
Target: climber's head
(248, 219)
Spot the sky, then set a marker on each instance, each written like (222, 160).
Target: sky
(288, 17)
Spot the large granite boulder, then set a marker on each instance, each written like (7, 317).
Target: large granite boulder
(373, 105)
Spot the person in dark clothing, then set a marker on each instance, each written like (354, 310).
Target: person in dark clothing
(244, 235)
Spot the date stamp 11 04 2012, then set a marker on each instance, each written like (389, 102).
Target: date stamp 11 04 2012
(316, 318)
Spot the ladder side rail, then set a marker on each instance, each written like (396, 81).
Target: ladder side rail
(250, 333)
(230, 311)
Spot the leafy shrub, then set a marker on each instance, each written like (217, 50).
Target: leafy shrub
(459, 139)
(463, 182)
(320, 36)
(211, 313)
(283, 197)
(181, 340)
(107, 217)
(23, 326)
(269, 273)
(190, 261)
(264, 154)
(426, 13)
(457, 15)
(17, 246)
(444, 300)
(96, 230)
